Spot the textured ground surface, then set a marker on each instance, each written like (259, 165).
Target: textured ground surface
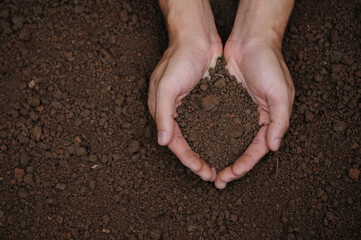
(78, 152)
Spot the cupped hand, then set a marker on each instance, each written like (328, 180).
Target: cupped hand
(178, 72)
(259, 66)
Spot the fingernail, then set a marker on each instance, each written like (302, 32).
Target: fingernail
(277, 143)
(162, 137)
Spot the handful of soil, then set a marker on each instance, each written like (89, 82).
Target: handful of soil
(218, 119)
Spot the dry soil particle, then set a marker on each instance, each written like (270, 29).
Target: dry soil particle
(218, 118)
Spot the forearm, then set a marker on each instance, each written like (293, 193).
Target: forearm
(262, 18)
(188, 17)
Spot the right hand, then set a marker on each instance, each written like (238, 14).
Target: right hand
(178, 72)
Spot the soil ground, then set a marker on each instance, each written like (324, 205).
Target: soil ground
(78, 151)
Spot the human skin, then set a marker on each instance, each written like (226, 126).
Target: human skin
(253, 53)
(193, 44)
(254, 57)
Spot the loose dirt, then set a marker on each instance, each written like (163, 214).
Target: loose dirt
(78, 149)
(218, 118)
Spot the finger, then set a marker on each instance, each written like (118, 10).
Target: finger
(246, 162)
(263, 117)
(279, 113)
(156, 75)
(164, 113)
(189, 158)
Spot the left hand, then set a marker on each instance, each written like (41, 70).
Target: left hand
(259, 66)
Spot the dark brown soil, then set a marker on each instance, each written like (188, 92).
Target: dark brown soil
(218, 118)
(78, 151)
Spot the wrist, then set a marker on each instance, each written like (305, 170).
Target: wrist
(261, 21)
(186, 19)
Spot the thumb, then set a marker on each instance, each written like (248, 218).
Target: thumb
(164, 114)
(279, 122)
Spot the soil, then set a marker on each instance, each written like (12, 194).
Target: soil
(78, 151)
(218, 119)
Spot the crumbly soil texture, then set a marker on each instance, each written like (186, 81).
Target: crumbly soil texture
(218, 119)
(78, 148)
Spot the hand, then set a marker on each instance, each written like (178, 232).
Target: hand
(259, 66)
(193, 46)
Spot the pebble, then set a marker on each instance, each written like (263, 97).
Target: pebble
(354, 173)
(155, 234)
(123, 15)
(220, 83)
(85, 113)
(59, 219)
(19, 174)
(37, 132)
(106, 219)
(238, 202)
(22, 193)
(60, 186)
(92, 184)
(93, 158)
(209, 102)
(18, 22)
(318, 78)
(25, 35)
(28, 179)
(134, 147)
(81, 152)
(34, 101)
(309, 116)
(203, 86)
(339, 126)
(83, 190)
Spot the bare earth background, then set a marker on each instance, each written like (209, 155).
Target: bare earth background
(78, 152)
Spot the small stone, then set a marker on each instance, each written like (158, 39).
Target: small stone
(106, 219)
(85, 113)
(300, 55)
(19, 174)
(238, 202)
(87, 234)
(6, 27)
(22, 193)
(209, 102)
(155, 234)
(18, 22)
(93, 158)
(28, 179)
(33, 115)
(92, 184)
(24, 159)
(123, 15)
(220, 83)
(25, 35)
(354, 173)
(234, 218)
(203, 86)
(34, 101)
(59, 219)
(339, 126)
(36, 131)
(134, 147)
(78, 9)
(83, 190)
(60, 186)
(330, 216)
(309, 116)
(31, 84)
(81, 152)
(318, 78)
